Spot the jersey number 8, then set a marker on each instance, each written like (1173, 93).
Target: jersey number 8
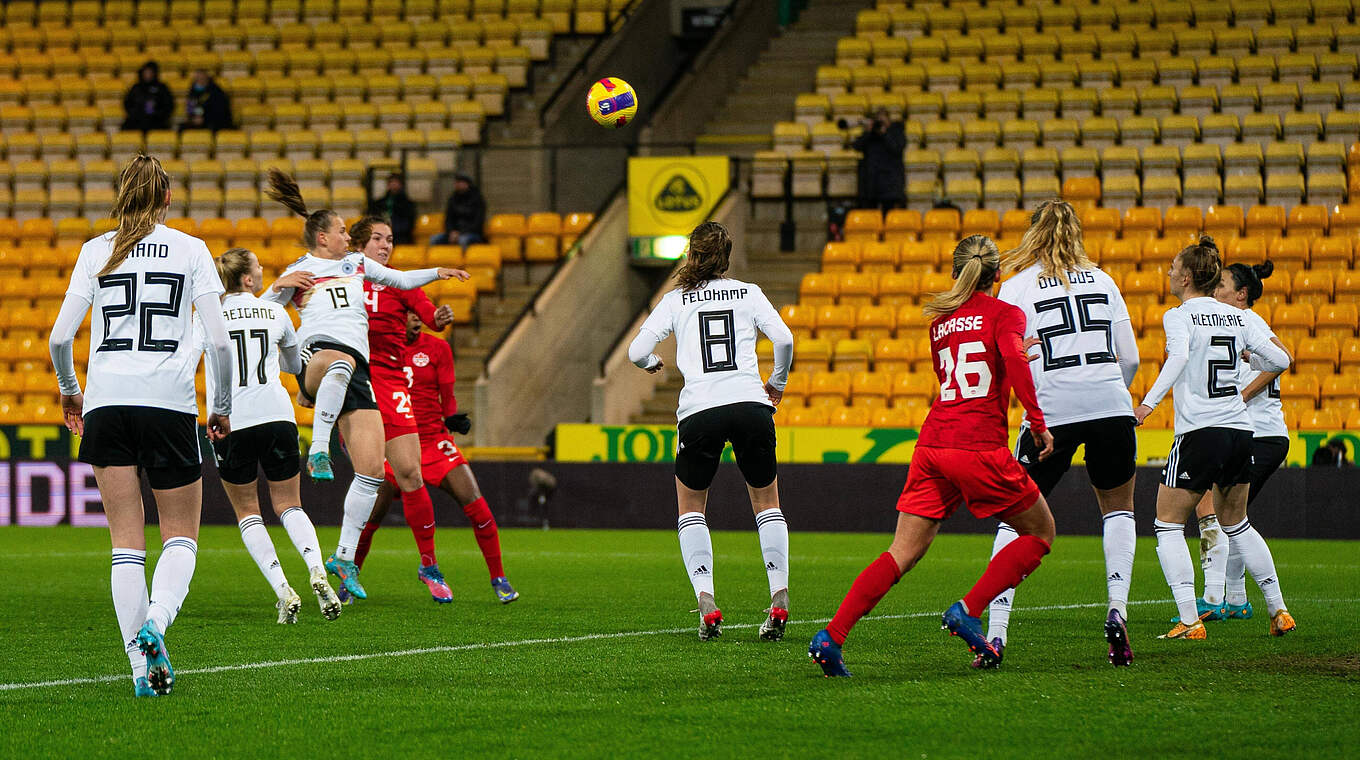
(960, 372)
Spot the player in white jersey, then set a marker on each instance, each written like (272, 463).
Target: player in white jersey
(715, 320)
(1088, 355)
(1269, 446)
(264, 435)
(326, 287)
(139, 408)
(1212, 448)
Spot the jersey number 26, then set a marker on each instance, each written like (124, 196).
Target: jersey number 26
(958, 373)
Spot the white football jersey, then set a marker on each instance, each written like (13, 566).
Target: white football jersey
(1077, 374)
(257, 330)
(333, 308)
(1211, 335)
(142, 348)
(715, 341)
(1264, 409)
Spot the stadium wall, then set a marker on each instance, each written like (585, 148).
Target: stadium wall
(1297, 503)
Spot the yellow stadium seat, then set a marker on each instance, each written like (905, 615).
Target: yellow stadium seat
(817, 289)
(829, 389)
(856, 289)
(862, 225)
(1314, 286)
(911, 389)
(1293, 322)
(1341, 392)
(1331, 253)
(849, 416)
(840, 257)
(851, 355)
(876, 257)
(898, 288)
(1222, 222)
(835, 322)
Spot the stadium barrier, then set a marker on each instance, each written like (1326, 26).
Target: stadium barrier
(41, 484)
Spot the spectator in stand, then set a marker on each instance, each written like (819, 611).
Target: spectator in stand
(1331, 454)
(464, 216)
(882, 174)
(148, 103)
(397, 207)
(207, 106)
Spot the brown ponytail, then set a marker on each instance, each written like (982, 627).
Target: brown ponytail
(142, 187)
(709, 252)
(976, 261)
(284, 189)
(1204, 265)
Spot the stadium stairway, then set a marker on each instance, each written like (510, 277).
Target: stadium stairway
(787, 67)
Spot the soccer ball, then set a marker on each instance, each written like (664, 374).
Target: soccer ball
(611, 102)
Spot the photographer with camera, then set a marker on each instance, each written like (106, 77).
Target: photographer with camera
(882, 174)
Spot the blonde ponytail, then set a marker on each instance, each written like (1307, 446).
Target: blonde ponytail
(976, 261)
(1053, 241)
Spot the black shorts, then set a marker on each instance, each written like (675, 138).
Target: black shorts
(1212, 456)
(748, 425)
(1111, 452)
(1267, 454)
(359, 394)
(162, 442)
(272, 446)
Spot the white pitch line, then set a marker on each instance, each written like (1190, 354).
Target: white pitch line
(533, 642)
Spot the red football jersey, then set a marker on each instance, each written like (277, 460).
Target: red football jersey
(387, 309)
(428, 364)
(978, 358)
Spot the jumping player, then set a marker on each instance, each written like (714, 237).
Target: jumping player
(961, 456)
(428, 363)
(1088, 356)
(325, 286)
(387, 310)
(1269, 447)
(265, 435)
(1213, 444)
(715, 320)
(145, 281)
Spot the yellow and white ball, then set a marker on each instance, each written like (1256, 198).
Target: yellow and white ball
(612, 102)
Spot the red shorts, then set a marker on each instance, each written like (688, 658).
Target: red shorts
(991, 483)
(394, 401)
(438, 457)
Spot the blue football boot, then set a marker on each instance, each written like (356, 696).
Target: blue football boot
(319, 467)
(1238, 611)
(142, 688)
(959, 623)
(159, 675)
(348, 573)
(505, 593)
(827, 653)
(1207, 611)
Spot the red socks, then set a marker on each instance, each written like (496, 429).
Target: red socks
(365, 541)
(1006, 570)
(419, 512)
(488, 537)
(868, 588)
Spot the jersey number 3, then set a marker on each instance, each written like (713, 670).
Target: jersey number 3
(959, 372)
(718, 341)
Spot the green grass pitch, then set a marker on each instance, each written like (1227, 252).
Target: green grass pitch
(599, 658)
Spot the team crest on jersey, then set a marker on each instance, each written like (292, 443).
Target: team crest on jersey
(421, 359)
(376, 286)
(348, 267)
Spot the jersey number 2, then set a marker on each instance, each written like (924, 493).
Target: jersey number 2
(718, 341)
(127, 282)
(960, 371)
(1228, 364)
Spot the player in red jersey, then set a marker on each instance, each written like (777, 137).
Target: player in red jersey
(387, 309)
(961, 456)
(428, 372)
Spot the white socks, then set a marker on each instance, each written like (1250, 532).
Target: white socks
(1119, 541)
(170, 581)
(330, 396)
(363, 491)
(1251, 550)
(303, 534)
(127, 580)
(999, 611)
(1179, 569)
(696, 549)
(774, 547)
(256, 538)
(1213, 557)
